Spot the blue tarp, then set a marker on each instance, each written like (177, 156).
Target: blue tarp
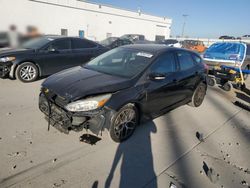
(226, 52)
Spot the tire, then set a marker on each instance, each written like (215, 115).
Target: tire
(211, 81)
(227, 86)
(121, 131)
(198, 95)
(27, 72)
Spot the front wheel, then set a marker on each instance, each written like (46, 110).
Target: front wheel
(27, 72)
(198, 95)
(123, 123)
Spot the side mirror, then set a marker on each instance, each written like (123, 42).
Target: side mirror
(154, 76)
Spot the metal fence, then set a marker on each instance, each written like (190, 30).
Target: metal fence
(208, 42)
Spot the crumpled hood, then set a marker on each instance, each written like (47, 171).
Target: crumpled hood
(14, 51)
(78, 82)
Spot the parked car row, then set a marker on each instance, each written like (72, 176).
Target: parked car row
(114, 42)
(45, 56)
(226, 37)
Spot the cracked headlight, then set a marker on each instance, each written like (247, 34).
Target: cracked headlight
(7, 59)
(88, 104)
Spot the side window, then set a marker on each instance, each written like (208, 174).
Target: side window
(118, 43)
(197, 59)
(125, 42)
(63, 44)
(81, 43)
(185, 59)
(115, 44)
(165, 64)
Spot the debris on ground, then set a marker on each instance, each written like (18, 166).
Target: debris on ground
(18, 153)
(8, 113)
(172, 185)
(89, 139)
(62, 182)
(210, 172)
(199, 136)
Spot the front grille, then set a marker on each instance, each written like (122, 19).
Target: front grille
(57, 114)
(54, 98)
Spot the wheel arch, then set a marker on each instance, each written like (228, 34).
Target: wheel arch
(27, 61)
(136, 104)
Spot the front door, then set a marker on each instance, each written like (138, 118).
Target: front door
(55, 57)
(161, 85)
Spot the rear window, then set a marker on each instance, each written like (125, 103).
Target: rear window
(197, 59)
(81, 44)
(62, 44)
(186, 60)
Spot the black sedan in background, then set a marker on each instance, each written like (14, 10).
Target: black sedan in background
(121, 87)
(46, 55)
(114, 42)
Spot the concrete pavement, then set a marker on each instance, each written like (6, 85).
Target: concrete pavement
(161, 152)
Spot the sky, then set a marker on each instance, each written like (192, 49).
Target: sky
(207, 18)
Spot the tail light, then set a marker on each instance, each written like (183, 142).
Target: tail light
(206, 67)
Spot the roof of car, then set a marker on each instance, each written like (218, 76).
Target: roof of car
(59, 36)
(53, 36)
(151, 48)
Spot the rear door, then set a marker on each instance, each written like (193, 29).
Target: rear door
(188, 74)
(83, 51)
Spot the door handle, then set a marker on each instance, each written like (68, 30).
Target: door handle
(159, 77)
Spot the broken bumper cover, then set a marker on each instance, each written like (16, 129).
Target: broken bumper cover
(64, 121)
(5, 69)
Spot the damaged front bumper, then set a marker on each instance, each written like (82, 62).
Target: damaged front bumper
(64, 121)
(5, 69)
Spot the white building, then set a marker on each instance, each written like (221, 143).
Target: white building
(78, 17)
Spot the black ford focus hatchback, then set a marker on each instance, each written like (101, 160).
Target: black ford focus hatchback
(120, 88)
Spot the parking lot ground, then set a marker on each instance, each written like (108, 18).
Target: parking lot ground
(188, 147)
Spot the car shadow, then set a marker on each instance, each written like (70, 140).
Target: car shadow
(246, 91)
(136, 159)
(243, 96)
(14, 79)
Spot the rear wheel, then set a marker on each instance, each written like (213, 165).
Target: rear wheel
(227, 86)
(27, 72)
(198, 95)
(124, 123)
(211, 81)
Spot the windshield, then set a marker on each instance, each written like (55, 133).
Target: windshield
(123, 62)
(108, 41)
(36, 43)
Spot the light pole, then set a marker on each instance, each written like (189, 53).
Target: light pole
(184, 24)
